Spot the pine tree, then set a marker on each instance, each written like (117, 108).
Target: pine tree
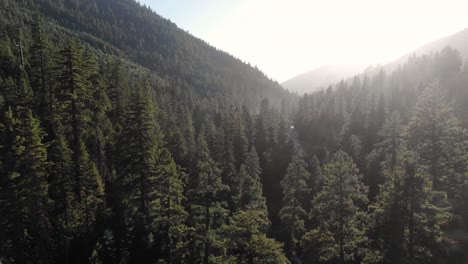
(117, 91)
(24, 198)
(90, 190)
(246, 241)
(434, 133)
(250, 193)
(235, 136)
(292, 214)
(261, 128)
(338, 209)
(97, 136)
(171, 215)
(408, 213)
(391, 139)
(74, 110)
(138, 150)
(315, 181)
(34, 167)
(188, 132)
(18, 92)
(61, 192)
(41, 65)
(207, 198)
(391, 134)
(248, 125)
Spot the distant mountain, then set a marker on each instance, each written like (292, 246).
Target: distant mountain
(125, 29)
(458, 41)
(320, 77)
(331, 74)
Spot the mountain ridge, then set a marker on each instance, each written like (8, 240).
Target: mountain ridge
(128, 29)
(321, 77)
(312, 80)
(457, 41)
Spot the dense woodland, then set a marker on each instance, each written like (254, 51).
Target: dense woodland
(126, 140)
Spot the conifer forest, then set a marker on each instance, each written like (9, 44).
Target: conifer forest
(124, 139)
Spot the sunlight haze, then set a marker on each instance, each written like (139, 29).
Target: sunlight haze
(285, 38)
(234, 131)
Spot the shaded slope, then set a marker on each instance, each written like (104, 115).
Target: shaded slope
(320, 77)
(127, 29)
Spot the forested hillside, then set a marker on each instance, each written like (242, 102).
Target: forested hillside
(458, 41)
(404, 135)
(129, 31)
(123, 139)
(119, 152)
(320, 78)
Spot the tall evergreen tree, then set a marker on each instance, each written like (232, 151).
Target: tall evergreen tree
(24, 197)
(208, 208)
(408, 213)
(295, 187)
(249, 187)
(436, 136)
(74, 97)
(391, 134)
(100, 130)
(117, 91)
(171, 215)
(99, 183)
(338, 209)
(61, 192)
(138, 176)
(41, 65)
(246, 241)
(316, 177)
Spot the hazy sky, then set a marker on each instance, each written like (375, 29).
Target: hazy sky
(287, 37)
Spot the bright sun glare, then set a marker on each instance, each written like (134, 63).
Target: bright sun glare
(285, 38)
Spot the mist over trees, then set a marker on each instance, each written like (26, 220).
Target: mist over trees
(169, 151)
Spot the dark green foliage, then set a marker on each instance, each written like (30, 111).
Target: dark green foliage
(246, 241)
(338, 210)
(171, 215)
(292, 213)
(250, 191)
(391, 135)
(316, 176)
(41, 64)
(418, 107)
(117, 91)
(208, 207)
(435, 134)
(101, 103)
(24, 198)
(75, 109)
(137, 173)
(408, 213)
